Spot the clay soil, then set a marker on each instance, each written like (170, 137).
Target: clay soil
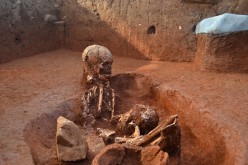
(212, 107)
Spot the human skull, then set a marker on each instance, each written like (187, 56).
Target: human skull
(97, 61)
(145, 117)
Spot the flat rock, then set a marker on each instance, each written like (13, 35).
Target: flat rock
(69, 141)
(95, 145)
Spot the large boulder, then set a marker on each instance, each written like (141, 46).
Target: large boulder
(70, 143)
(225, 23)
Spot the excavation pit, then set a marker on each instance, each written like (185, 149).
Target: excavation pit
(201, 142)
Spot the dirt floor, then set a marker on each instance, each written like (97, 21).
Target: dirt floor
(34, 86)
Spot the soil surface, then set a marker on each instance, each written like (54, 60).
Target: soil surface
(33, 87)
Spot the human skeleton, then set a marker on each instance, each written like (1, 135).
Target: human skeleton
(97, 69)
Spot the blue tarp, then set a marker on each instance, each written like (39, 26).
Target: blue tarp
(225, 23)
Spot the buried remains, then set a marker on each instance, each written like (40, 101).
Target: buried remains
(139, 127)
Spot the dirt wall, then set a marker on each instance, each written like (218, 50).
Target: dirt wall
(27, 28)
(225, 52)
(85, 27)
(160, 30)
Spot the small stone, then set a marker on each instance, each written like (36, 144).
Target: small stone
(70, 144)
(108, 136)
(154, 155)
(95, 145)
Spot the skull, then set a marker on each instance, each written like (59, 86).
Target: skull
(97, 62)
(145, 117)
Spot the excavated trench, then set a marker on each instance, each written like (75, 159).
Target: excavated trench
(201, 143)
(25, 31)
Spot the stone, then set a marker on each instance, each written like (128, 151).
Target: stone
(70, 144)
(154, 155)
(112, 154)
(95, 145)
(225, 23)
(107, 135)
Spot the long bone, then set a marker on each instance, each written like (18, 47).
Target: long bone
(100, 98)
(113, 104)
(152, 137)
(156, 131)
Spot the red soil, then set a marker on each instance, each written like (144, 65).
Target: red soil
(212, 107)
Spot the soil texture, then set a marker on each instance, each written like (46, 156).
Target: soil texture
(212, 107)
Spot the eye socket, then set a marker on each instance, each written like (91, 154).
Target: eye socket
(86, 58)
(105, 64)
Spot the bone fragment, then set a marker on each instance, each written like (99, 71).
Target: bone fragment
(156, 141)
(94, 90)
(113, 103)
(85, 105)
(120, 140)
(100, 99)
(136, 133)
